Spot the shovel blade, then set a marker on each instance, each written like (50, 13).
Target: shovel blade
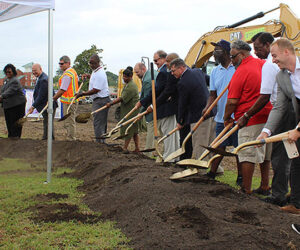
(193, 162)
(64, 117)
(184, 173)
(174, 155)
(21, 122)
(219, 151)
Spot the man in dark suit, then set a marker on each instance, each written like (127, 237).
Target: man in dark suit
(40, 97)
(288, 92)
(167, 109)
(192, 97)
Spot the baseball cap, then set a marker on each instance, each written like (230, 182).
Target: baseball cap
(223, 44)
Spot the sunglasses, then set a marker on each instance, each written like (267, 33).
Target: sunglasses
(61, 63)
(234, 56)
(156, 60)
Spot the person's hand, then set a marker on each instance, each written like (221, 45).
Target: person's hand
(31, 110)
(262, 135)
(85, 76)
(138, 105)
(108, 105)
(242, 122)
(203, 113)
(149, 109)
(294, 135)
(228, 121)
(179, 126)
(78, 95)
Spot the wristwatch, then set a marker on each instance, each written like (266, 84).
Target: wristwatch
(298, 128)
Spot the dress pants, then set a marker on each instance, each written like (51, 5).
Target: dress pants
(295, 180)
(281, 164)
(149, 138)
(171, 144)
(45, 124)
(12, 115)
(69, 123)
(203, 135)
(189, 144)
(100, 118)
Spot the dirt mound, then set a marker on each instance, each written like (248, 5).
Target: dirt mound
(61, 212)
(155, 212)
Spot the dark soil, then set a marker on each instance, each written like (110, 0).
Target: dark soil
(155, 212)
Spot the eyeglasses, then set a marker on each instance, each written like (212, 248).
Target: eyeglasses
(173, 70)
(61, 63)
(218, 50)
(156, 60)
(234, 56)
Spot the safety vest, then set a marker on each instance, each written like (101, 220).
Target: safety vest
(73, 87)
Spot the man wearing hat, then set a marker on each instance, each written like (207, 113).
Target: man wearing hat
(219, 79)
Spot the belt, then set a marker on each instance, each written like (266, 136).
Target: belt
(97, 98)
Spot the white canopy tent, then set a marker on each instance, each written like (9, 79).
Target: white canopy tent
(10, 9)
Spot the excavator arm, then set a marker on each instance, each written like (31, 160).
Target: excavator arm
(288, 26)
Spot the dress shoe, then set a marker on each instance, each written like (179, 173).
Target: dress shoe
(290, 209)
(274, 201)
(260, 191)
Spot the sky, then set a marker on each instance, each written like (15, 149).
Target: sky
(126, 30)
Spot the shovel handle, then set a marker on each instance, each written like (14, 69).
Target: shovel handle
(133, 118)
(46, 106)
(209, 109)
(167, 135)
(73, 100)
(271, 139)
(127, 115)
(98, 110)
(206, 152)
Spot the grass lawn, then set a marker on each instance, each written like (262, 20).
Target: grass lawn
(20, 185)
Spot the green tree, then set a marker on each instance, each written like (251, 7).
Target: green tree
(112, 79)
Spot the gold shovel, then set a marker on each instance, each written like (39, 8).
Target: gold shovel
(115, 129)
(205, 164)
(182, 149)
(22, 120)
(84, 117)
(242, 146)
(126, 131)
(73, 100)
(162, 139)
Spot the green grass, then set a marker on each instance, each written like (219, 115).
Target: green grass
(229, 177)
(19, 184)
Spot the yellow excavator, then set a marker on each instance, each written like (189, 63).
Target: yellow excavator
(287, 26)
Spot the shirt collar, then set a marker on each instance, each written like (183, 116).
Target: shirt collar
(161, 67)
(297, 63)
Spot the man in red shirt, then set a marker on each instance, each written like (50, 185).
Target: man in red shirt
(244, 89)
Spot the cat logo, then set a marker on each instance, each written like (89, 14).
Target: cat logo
(236, 36)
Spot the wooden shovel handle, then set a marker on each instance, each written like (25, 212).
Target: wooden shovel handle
(154, 102)
(271, 139)
(209, 109)
(229, 133)
(73, 100)
(206, 152)
(46, 106)
(127, 115)
(98, 110)
(167, 135)
(132, 119)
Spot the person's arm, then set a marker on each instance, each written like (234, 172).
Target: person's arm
(65, 82)
(230, 108)
(13, 87)
(43, 93)
(262, 100)
(119, 99)
(86, 93)
(212, 97)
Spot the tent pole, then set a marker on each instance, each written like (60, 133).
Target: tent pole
(50, 94)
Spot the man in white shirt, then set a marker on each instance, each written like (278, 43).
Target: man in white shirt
(280, 161)
(288, 92)
(99, 92)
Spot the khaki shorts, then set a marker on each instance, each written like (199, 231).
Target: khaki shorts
(253, 154)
